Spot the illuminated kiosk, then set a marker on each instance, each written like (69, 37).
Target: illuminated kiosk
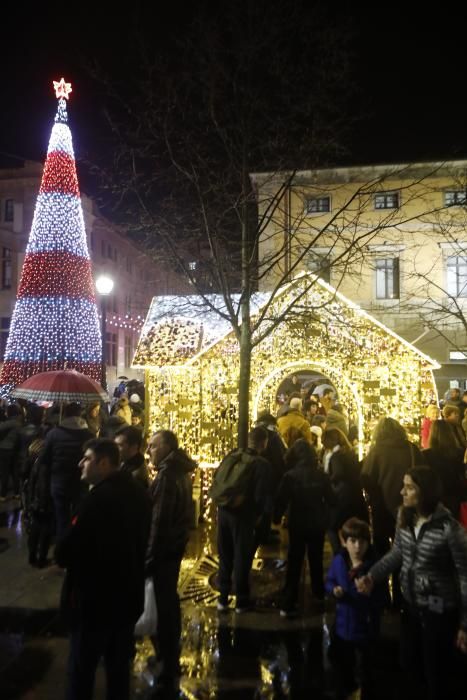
(191, 358)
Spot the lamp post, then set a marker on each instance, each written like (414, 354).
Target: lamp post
(104, 286)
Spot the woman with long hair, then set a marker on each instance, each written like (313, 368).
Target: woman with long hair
(341, 463)
(431, 549)
(306, 492)
(445, 455)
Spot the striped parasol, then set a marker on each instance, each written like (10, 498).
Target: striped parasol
(62, 386)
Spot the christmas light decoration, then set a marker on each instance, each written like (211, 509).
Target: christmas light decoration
(55, 323)
(195, 392)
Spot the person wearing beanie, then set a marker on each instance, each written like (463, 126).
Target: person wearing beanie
(294, 425)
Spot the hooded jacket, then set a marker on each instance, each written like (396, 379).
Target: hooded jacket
(307, 492)
(172, 508)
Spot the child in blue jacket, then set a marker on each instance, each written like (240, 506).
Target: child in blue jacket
(357, 616)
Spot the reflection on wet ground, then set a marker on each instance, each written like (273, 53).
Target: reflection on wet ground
(226, 656)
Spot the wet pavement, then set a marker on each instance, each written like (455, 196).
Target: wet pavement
(226, 656)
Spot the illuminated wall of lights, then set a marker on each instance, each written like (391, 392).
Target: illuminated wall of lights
(375, 371)
(55, 322)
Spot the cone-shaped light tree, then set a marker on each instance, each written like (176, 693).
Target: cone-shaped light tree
(55, 323)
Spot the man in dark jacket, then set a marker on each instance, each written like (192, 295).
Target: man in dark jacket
(172, 507)
(62, 452)
(129, 440)
(103, 553)
(236, 526)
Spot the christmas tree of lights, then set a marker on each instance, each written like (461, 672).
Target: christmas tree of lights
(55, 323)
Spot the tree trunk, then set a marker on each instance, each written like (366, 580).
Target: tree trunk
(245, 328)
(244, 383)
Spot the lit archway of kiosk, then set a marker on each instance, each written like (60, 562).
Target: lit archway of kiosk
(265, 398)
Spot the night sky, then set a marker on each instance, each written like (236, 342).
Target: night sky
(408, 70)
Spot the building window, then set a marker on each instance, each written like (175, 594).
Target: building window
(387, 278)
(128, 304)
(111, 349)
(457, 275)
(387, 200)
(317, 205)
(4, 330)
(128, 350)
(6, 268)
(320, 265)
(129, 265)
(9, 214)
(457, 355)
(454, 198)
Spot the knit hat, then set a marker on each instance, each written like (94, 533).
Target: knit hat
(317, 431)
(135, 398)
(295, 404)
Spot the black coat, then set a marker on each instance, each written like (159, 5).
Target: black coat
(308, 494)
(344, 472)
(104, 552)
(172, 509)
(382, 475)
(450, 468)
(63, 450)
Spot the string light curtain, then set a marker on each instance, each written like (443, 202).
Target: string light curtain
(55, 322)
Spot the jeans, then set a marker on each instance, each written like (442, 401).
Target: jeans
(169, 627)
(236, 547)
(89, 641)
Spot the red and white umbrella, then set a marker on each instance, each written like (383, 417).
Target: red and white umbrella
(62, 386)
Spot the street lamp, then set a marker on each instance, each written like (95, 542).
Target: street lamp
(104, 286)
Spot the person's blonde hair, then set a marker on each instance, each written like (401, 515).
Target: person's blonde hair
(429, 410)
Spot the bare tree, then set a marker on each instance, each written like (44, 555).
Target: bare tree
(260, 87)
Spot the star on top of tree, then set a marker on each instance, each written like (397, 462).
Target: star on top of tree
(62, 88)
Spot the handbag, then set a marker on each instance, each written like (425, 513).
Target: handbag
(147, 623)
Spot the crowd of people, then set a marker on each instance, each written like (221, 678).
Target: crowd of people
(397, 513)
(87, 488)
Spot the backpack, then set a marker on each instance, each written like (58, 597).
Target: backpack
(232, 479)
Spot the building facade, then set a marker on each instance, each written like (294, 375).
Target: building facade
(393, 239)
(136, 276)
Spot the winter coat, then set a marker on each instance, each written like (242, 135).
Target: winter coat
(123, 410)
(335, 419)
(103, 552)
(293, 426)
(307, 492)
(382, 475)
(63, 449)
(136, 466)
(425, 432)
(10, 434)
(434, 564)
(39, 499)
(450, 468)
(344, 473)
(172, 508)
(274, 454)
(357, 615)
